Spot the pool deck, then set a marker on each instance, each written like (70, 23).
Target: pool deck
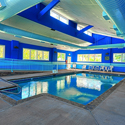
(45, 110)
(49, 111)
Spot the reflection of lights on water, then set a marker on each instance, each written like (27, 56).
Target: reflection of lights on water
(45, 87)
(25, 92)
(32, 89)
(84, 74)
(68, 79)
(113, 84)
(60, 84)
(73, 76)
(39, 86)
(89, 83)
(99, 76)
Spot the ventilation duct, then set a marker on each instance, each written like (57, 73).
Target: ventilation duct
(115, 10)
(29, 35)
(9, 8)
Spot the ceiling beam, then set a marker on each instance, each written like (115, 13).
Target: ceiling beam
(48, 8)
(84, 29)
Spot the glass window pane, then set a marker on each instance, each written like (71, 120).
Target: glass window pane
(40, 55)
(90, 34)
(123, 57)
(63, 56)
(26, 54)
(117, 57)
(53, 14)
(64, 20)
(98, 57)
(86, 32)
(92, 57)
(85, 57)
(46, 55)
(80, 57)
(33, 54)
(59, 57)
(1, 51)
(79, 28)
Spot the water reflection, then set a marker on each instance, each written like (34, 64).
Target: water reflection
(39, 87)
(89, 83)
(81, 88)
(25, 92)
(68, 79)
(60, 84)
(34, 88)
(44, 87)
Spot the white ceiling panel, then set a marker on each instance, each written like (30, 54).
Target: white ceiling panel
(85, 12)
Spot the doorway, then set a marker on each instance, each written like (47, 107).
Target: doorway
(69, 62)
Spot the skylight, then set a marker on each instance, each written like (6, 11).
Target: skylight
(59, 17)
(86, 32)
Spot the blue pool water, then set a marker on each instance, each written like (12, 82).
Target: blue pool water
(81, 88)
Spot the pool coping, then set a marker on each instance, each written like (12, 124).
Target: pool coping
(90, 106)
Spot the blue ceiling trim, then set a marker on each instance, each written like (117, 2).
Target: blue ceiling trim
(48, 8)
(84, 29)
(53, 23)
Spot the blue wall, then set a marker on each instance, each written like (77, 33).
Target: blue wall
(17, 53)
(102, 40)
(55, 51)
(7, 47)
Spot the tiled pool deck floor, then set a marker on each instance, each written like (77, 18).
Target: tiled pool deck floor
(45, 110)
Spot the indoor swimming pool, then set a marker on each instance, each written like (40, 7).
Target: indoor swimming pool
(80, 88)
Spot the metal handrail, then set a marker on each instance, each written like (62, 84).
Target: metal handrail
(12, 84)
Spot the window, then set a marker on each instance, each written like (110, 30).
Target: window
(85, 57)
(86, 32)
(80, 57)
(61, 57)
(119, 57)
(98, 58)
(90, 57)
(40, 55)
(2, 51)
(53, 14)
(59, 17)
(31, 54)
(26, 54)
(46, 55)
(79, 28)
(64, 20)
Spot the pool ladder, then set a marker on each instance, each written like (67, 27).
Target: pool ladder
(3, 91)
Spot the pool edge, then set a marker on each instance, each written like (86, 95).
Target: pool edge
(90, 106)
